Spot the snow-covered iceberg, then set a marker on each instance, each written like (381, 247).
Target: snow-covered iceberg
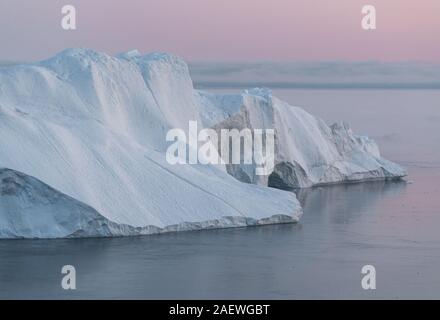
(92, 127)
(82, 150)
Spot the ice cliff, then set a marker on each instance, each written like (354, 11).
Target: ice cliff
(82, 150)
(308, 152)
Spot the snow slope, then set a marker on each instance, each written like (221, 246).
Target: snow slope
(93, 127)
(31, 209)
(88, 130)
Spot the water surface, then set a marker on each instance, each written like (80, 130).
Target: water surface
(393, 226)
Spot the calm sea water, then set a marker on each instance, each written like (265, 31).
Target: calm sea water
(393, 226)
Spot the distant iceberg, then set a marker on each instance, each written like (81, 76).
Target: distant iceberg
(82, 150)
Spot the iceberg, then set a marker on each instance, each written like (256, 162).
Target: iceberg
(82, 150)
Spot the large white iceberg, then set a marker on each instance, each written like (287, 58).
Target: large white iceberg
(82, 150)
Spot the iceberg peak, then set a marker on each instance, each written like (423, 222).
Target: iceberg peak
(264, 93)
(80, 54)
(129, 54)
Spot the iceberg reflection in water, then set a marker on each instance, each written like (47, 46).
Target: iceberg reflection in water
(343, 228)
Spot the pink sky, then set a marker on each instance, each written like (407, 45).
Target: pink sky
(238, 30)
